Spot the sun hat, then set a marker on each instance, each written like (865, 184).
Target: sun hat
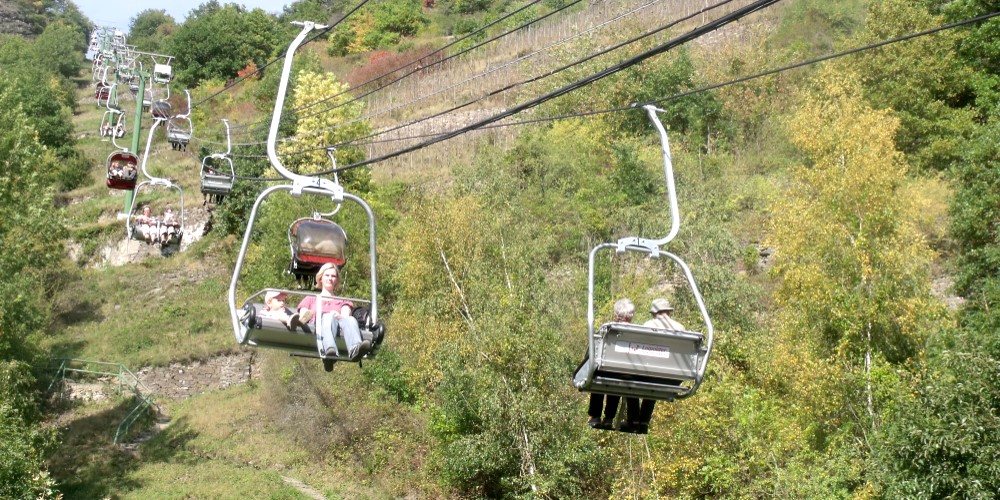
(273, 294)
(660, 305)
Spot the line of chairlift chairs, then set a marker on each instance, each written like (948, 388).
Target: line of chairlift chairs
(628, 360)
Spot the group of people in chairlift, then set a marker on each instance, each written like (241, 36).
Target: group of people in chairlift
(637, 412)
(107, 130)
(120, 169)
(162, 230)
(337, 315)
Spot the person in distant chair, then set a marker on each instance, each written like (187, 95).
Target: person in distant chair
(639, 413)
(146, 224)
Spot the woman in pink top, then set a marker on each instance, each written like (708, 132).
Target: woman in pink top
(336, 316)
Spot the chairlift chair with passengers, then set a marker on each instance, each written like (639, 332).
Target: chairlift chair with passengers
(252, 328)
(122, 170)
(631, 360)
(132, 225)
(113, 123)
(217, 172)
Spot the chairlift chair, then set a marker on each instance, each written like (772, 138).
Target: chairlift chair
(249, 326)
(637, 361)
(162, 73)
(217, 172)
(315, 241)
(155, 182)
(180, 135)
(217, 175)
(108, 97)
(133, 229)
(113, 123)
(161, 109)
(122, 170)
(102, 92)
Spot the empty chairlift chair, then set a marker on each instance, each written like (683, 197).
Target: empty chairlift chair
(180, 128)
(217, 173)
(162, 73)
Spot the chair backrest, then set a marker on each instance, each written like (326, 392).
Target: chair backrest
(318, 241)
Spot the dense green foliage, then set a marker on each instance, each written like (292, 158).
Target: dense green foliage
(43, 13)
(380, 25)
(819, 210)
(151, 30)
(30, 235)
(38, 72)
(217, 41)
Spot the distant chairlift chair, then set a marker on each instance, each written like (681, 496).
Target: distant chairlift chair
(217, 173)
(179, 135)
(122, 170)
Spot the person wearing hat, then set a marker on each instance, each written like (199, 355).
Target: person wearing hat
(639, 413)
(337, 319)
(661, 311)
(274, 307)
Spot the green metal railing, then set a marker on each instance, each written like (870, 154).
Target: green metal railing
(126, 380)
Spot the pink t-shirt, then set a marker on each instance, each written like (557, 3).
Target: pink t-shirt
(330, 304)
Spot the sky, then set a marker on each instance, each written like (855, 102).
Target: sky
(119, 13)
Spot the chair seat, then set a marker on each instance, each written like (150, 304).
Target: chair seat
(633, 360)
(270, 332)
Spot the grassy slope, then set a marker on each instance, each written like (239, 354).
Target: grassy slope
(237, 442)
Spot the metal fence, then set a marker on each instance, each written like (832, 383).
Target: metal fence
(126, 380)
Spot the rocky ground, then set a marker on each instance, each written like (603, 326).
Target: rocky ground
(176, 381)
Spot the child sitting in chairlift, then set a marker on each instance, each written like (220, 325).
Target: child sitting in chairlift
(274, 307)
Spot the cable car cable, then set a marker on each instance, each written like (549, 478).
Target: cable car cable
(516, 84)
(464, 51)
(706, 88)
(670, 44)
(473, 77)
(441, 61)
(452, 56)
(687, 92)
